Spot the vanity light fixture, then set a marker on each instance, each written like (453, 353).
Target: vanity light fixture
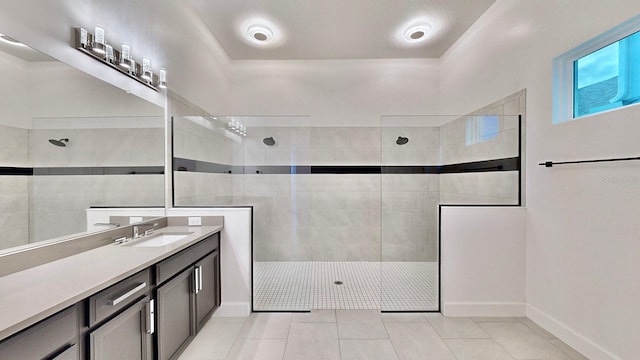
(99, 46)
(162, 83)
(110, 57)
(95, 46)
(125, 57)
(146, 69)
(237, 128)
(9, 40)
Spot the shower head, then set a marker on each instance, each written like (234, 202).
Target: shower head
(269, 141)
(402, 140)
(61, 142)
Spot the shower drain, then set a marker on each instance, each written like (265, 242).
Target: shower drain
(338, 282)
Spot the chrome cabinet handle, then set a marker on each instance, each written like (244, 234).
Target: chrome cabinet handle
(151, 321)
(196, 281)
(124, 296)
(201, 278)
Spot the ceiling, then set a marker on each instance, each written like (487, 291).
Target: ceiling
(338, 29)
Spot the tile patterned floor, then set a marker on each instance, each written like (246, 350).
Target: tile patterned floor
(370, 335)
(297, 285)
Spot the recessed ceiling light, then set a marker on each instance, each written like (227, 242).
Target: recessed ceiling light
(259, 34)
(416, 33)
(9, 40)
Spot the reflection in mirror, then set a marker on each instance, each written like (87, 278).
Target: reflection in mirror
(69, 142)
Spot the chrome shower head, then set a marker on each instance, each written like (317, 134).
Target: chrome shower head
(61, 142)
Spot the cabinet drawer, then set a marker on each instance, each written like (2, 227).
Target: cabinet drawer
(45, 339)
(178, 262)
(118, 296)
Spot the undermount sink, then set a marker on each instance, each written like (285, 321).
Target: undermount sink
(162, 239)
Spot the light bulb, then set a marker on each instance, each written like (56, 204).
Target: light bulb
(83, 37)
(98, 41)
(163, 79)
(110, 57)
(125, 56)
(146, 69)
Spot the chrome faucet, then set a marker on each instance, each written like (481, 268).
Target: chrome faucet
(148, 231)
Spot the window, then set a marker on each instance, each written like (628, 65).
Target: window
(607, 78)
(600, 75)
(482, 128)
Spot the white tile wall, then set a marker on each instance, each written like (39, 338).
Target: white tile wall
(489, 187)
(205, 141)
(97, 147)
(14, 146)
(57, 203)
(14, 190)
(14, 211)
(333, 217)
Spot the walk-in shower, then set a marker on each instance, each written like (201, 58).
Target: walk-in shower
(344, 217)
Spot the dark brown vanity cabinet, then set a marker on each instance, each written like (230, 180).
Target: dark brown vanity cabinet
(189, 297)
(53, 338)
(152, 314)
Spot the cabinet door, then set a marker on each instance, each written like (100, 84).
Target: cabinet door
(207, 275)
(71, 353)
(176, 325)
(127, 336)
(45, 340)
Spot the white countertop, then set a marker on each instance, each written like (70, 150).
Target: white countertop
(31, 295)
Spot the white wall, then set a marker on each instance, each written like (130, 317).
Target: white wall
(482, 257)
(583, 233)
(59, 90)
(336, 92)
(235, 256)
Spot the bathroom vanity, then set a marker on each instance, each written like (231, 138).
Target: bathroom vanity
(141, 299)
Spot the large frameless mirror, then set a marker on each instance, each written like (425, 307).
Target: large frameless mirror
(70, 143)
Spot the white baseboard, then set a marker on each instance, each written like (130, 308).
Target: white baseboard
(233, 310)
(585, 346)
(508, 309)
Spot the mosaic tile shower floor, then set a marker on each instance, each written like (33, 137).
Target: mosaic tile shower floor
(311, 285)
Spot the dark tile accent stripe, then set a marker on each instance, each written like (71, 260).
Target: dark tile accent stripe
(107, 170)
(8, 171)
(112, 170)
(180, 164)
(507, 164)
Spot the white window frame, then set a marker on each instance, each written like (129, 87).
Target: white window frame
(563, 69)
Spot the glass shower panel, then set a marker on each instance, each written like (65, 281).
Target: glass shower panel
(428, 161)
(320, 189)
(409, 196)
(205, 161)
